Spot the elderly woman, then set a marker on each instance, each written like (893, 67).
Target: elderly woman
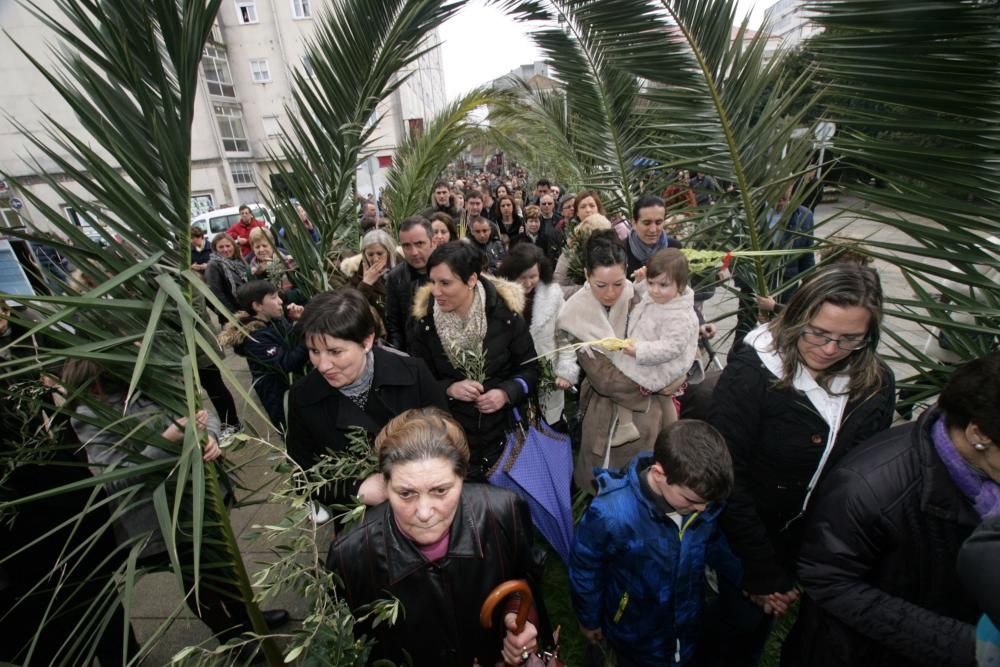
(878, 561)
(528, 266)
(353, 384)
(601, 310)
(440, 545)
(378, 257)
(801, 392)
(226, 272)
(470, 331)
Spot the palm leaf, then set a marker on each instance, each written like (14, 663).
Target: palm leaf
(357, 53)
(422, 158)
(933, 153)
(129, 73)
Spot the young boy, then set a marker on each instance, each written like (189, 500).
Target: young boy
(637, 568)
(274, 359)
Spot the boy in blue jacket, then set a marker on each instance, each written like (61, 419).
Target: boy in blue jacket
(637, 568)
(266, 338)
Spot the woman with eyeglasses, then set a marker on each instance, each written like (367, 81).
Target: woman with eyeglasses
(800, 393)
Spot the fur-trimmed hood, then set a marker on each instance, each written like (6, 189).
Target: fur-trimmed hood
(234, 336)
(511, 293)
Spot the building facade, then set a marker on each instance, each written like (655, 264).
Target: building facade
(790, 23)
(240, 110)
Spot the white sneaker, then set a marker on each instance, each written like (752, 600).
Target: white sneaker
(229, 430)
(319, 514)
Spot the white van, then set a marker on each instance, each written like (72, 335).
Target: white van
(218, 221)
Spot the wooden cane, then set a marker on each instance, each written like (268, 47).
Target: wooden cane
(501, 592)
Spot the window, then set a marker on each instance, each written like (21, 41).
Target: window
(272, 127)
(234, 136)
(246, 11)
(301, 9)
(216, 34)
(202, 203)
(307, 67)
(9, 217)
(243, 173)
(85, 223)
(260, 71)
(215, 66)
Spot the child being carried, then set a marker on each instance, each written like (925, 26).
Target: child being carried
(664, 329)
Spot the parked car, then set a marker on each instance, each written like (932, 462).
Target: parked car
(221, 219)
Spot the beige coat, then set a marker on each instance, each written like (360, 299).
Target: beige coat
(606, 388)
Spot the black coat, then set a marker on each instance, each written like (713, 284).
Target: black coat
(977, 565)
(878, 562)
(400, 285)
(489, 543)
(275, 358)
(320, 417)
(508, 348)
(776, 439)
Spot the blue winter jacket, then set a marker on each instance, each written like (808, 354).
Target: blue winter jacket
(638, 577)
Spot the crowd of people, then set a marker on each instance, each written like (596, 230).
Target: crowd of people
(782, 489)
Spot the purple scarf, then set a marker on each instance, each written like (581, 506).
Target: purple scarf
(982, 491)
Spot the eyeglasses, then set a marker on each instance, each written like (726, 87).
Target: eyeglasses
(848, 343)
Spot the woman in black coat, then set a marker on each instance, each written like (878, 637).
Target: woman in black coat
(470, 331)
(353, 385)
(800, 393)
(438, 546)
(878, 561)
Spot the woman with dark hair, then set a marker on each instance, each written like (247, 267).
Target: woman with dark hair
(226, 272)
(801, 392)
(469, 329)
(601, 310)
(501, 190)
(527, 265)
(878, 563)
(440, 545)
(510, 222)
(565, 210)
(353, 384)
(444, 229)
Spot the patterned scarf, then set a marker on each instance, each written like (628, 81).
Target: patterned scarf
(460, 334)
(358, 390)
(234, 269)
(982, 492)
(641, 251)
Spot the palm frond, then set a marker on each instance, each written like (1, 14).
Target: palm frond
(356, 54)
(913, 89)
(421, 159)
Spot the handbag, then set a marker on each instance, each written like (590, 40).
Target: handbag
(537, 464)
(501, 592)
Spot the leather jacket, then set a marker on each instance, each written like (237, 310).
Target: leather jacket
(490, 542)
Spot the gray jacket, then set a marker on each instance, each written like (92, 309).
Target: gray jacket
(106, 449)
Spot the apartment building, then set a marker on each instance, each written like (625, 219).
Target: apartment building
(240, 109)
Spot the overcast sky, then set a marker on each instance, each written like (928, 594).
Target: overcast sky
(481, 44)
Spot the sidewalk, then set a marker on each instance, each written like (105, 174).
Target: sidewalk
(157, 595)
